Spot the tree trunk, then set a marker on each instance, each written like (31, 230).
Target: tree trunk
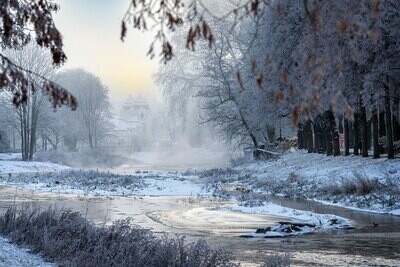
(336, 145)
(309, 134)
(256, 152)
(382, 125)
(364, 130)
(329, 130)
(91, 141)
(356, 135)
(375, 133)
(396, 124)
(335, 135)
(346, 138)
(317, 145)
(329, 145)
(388, 120)
(300, 136)
(271, 134)
(33, 143)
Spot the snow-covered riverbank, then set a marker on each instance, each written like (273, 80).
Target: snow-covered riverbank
(11, 255)
(352, 182)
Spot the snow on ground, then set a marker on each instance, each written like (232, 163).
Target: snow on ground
(11, 255)
(321, 167)
(268, 208)
(171, 187)
(395, 212)
(10, 156)
(12, 163)
(8, 166)
(309, 221)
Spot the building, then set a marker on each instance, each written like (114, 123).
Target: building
(131, 126)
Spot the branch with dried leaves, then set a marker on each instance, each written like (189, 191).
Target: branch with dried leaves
(23, 21)
(16, 79)
(167, 15)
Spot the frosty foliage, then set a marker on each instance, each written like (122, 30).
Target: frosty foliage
(67, 238)
(277, 260)
(292, 59)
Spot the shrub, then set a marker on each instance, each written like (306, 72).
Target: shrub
(277, 260)
(65, 237)
(293, 177)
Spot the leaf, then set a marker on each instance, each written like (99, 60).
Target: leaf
(279, 96)
(295, 115)
(239, 79)
(123, 31)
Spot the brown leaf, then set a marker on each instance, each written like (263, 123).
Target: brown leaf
(341, 26)
(123, 31)
(292, 90)
(316, 79)
(279, 96)
(348, 111)
(239, 79)
(295, 115)
(260, 80)
(376, 7)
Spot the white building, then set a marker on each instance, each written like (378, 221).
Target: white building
(131, 126)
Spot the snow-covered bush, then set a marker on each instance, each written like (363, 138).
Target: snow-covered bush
(67, 238)
(277, 260)
(241, 160)
(360, 184)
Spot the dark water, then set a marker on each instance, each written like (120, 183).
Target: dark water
(364, 246)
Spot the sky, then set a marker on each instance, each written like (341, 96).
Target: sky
(91, 31)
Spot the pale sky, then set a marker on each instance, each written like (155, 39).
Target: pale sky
(91, 31)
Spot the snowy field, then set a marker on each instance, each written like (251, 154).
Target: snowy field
(13, 256)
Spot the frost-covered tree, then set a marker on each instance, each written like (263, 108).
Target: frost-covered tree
(94, 108)
(332, 65)
(29, 115)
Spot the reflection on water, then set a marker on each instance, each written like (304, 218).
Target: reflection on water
(366, 245)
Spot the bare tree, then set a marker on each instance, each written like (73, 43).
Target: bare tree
(29, 114)
(94, 108)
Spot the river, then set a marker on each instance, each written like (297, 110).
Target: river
(195, 218)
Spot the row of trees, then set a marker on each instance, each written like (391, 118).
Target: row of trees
(324, 64)
(36, 123)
